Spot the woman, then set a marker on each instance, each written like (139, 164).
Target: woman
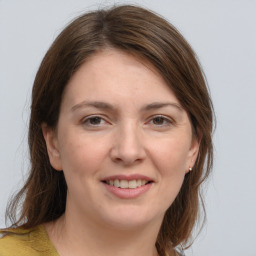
(120, 141)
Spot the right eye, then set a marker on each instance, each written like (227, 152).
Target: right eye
(93, 121)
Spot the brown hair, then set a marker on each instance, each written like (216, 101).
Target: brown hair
(143, 34)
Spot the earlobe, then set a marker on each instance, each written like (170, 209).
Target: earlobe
(193, 153)
(52, 147)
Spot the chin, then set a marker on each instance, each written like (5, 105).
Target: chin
(130, 218)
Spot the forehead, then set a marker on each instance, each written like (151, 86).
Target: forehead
(117, 76)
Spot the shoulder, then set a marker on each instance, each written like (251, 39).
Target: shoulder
(29, 242)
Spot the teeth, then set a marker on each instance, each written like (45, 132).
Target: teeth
(139, 183)
(143, 182)
(116, 183)
(126, 184)
(132, 184)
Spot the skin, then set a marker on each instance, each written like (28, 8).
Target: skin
(139, 127)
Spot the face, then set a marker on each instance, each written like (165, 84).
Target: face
(123, 142)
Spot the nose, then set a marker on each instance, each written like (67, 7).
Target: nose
(128, 147)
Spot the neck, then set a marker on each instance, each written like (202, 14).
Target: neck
(72, 237)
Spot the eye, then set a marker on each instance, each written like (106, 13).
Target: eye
(161, 121)
(92, 121)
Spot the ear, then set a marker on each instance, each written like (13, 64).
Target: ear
(51, 141)
(193, 152)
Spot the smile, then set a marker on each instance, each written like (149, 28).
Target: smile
(128, 186)
(127, 183)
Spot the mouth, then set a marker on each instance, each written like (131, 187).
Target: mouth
(124, 183)
(128, 187)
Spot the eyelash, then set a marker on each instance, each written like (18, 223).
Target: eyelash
(165, 121)
(86, 121)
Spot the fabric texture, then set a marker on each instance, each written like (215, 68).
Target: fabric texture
(26, 242)
(29, 242)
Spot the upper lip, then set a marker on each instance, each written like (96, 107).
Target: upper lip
(128, 177)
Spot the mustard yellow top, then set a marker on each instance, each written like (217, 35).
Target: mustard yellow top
(26, 242)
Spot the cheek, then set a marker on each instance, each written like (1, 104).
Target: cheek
(170, 156)
(170, 159)
(81, 155)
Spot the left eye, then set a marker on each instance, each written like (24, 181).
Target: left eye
(160, 121)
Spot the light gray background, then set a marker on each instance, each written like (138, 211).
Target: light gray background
(222, 32)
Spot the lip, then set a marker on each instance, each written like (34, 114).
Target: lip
(128, 193)
(128, 177)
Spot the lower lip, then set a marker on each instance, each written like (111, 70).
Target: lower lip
(128, 193)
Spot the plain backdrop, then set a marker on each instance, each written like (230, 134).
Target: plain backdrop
(223, 34)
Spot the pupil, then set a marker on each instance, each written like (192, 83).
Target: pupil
(95, 120)
(158, 120)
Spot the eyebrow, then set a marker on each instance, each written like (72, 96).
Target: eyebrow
(107, 106)
(157, 105)
(95, 104)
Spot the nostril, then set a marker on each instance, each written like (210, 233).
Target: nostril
(127, 150)
(127, 160)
